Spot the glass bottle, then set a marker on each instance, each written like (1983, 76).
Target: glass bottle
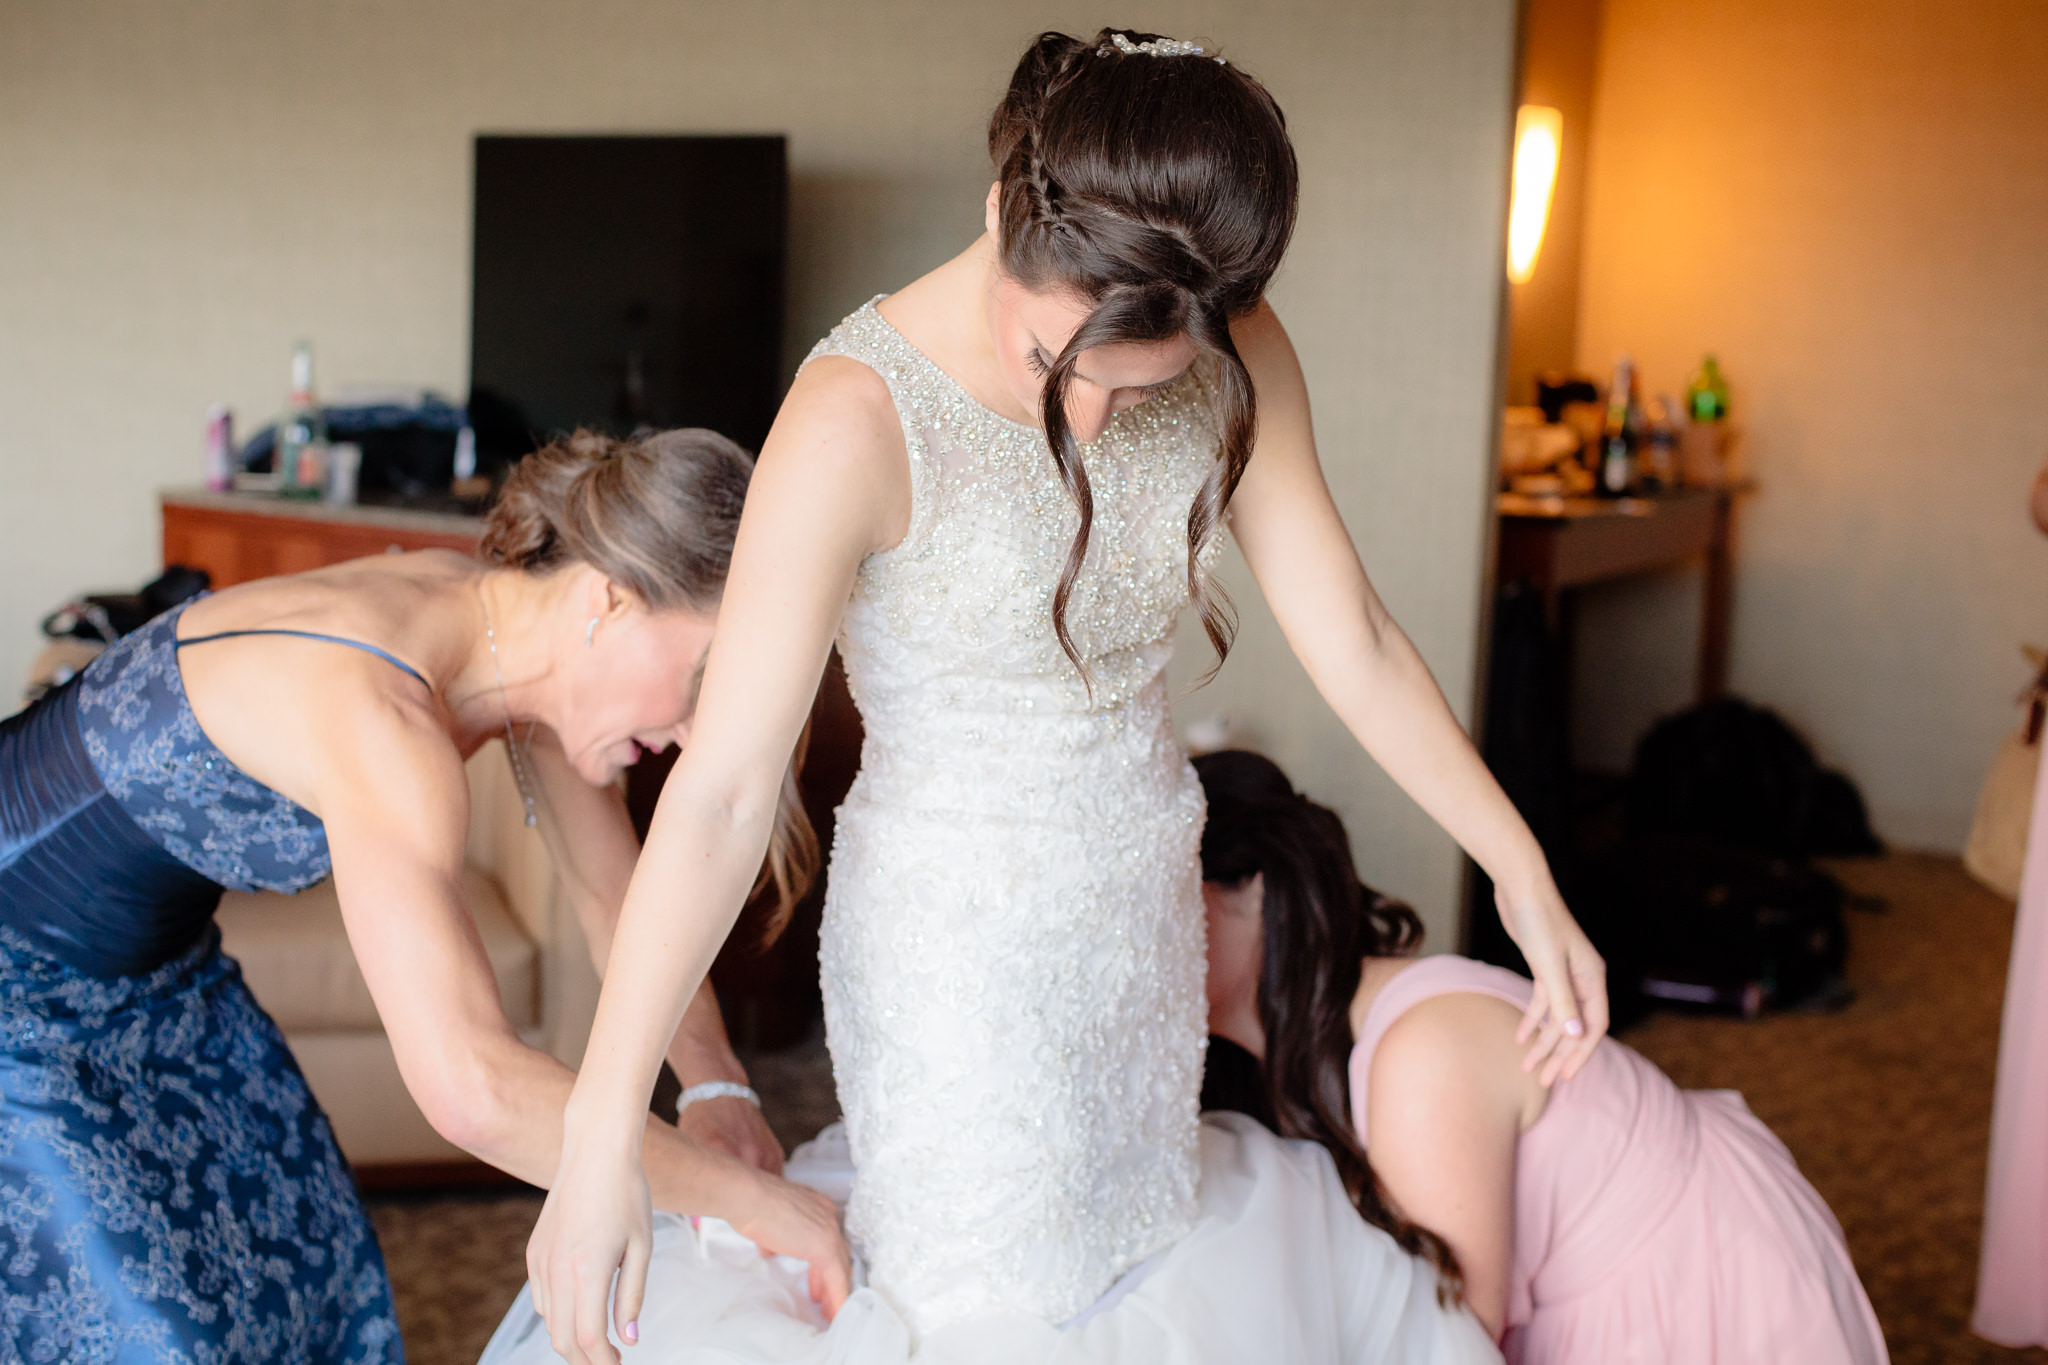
(1620, 434)
(301, 432)
(1706, 396)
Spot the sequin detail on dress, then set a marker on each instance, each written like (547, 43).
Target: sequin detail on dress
(1012, 948)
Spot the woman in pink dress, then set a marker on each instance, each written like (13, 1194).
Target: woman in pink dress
(2012, 1277)
(1609, 1218)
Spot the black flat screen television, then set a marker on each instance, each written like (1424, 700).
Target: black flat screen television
(624, 283)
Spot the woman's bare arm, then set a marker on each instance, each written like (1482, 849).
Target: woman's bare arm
(393, 796)
(831, 487)
(591, 839)
(1371, 675)
(1445, 1118)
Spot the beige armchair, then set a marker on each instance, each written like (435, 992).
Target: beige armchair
(296, 958)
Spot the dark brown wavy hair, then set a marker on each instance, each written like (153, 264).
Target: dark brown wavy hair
(1163, 191)
(1319, 923)
(656, 515)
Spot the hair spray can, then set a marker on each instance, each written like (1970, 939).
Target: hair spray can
(220, 447)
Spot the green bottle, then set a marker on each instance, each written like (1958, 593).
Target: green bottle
(301, 432)
(1706, 397)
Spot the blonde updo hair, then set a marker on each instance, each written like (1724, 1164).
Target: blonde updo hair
(657, 516)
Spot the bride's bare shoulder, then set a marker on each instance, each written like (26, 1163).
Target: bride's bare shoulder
(838, 436)
(837, 407)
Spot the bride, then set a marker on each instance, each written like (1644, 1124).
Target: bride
(997, 488)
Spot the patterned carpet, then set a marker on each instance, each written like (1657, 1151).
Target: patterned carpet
(1886, 1104)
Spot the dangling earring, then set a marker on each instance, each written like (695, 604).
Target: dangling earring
(590, 633)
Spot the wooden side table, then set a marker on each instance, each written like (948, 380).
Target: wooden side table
(239, 536)
(1556, 544)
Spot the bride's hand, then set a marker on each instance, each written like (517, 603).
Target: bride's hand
(786, 1219)
(1567, 1014)
(597, 1223)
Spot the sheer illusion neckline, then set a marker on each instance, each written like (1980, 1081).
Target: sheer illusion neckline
(945, 375)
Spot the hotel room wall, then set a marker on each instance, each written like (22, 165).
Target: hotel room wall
(1560, 49)
(191, 187)
(1848, 202)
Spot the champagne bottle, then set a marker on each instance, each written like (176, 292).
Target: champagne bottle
(1621, 433)
(301, 432)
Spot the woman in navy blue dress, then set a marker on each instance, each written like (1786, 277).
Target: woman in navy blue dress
(169, 1189)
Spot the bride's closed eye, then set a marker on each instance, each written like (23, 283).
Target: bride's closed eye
(1040, 365)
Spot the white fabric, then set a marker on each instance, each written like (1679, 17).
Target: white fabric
(1276, 1270)
(1012, 958)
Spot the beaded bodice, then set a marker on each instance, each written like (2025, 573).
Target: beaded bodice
(957, 618)
(1012, 950)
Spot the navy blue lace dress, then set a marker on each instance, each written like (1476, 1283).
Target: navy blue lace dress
(169, 1189)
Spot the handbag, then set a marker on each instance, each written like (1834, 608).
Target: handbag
(1996, 852)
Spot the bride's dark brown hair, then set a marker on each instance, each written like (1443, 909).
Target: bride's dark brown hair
(1318, 924)
(1161, 189)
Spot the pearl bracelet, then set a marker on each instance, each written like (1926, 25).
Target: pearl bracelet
(716, 1090)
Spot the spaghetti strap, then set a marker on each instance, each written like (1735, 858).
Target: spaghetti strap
(383, 654)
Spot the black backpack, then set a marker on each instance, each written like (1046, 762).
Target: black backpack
(1688, 920)
(1737, 773)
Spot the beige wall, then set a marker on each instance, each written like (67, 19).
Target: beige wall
(190, 187)
(1848, 201)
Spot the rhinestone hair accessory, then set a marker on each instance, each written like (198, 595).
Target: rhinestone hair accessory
(1157, 47)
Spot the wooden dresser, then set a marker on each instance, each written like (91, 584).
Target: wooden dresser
(239, 536)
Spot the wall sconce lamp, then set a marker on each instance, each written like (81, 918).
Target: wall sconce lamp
(1539, 138)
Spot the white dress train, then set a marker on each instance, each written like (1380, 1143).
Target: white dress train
(1277, 1270)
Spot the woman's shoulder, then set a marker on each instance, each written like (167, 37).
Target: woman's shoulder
(1413, 983)
(1425, 1009)
(838, 436)
(1446, 1003)
(399, 606)
(842, 410)
(1442, 1019)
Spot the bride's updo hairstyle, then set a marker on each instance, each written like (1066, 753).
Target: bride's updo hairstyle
(1159, 185)
(1318, 924)
(657, 516)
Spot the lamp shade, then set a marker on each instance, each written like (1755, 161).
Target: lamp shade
(1539, 139)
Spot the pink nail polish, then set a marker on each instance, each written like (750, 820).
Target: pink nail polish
(632, 1332)
(1574, 1029)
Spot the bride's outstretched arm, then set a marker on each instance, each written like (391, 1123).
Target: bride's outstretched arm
(832, 486)
(1372, 676)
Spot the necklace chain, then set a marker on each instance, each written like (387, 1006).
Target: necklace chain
(511, 745)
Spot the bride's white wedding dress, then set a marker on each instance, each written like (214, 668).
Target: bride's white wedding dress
(1012, 959)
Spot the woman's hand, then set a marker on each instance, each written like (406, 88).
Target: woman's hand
(597, 1223)
(794, 1220)
(1567, 1014)
(735, 1127)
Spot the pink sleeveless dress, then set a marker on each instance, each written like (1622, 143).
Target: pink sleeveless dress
(2012, 1278)
(1653, 1223)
